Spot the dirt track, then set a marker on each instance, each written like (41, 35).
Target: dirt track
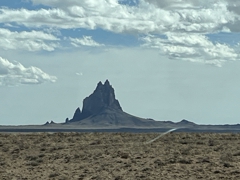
(119, 156)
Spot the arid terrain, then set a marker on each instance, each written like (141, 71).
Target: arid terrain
(119, 156)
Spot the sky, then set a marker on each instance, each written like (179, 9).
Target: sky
(166, 60)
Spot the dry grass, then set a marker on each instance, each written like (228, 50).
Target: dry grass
(119, 156)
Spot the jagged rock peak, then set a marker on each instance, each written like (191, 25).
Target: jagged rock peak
(106, 85)
(46, 123)
(100, 84)
(102, 98)
(77, 115)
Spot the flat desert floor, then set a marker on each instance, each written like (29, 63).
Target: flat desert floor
(119, 156)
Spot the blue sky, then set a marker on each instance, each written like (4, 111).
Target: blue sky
(167, 60)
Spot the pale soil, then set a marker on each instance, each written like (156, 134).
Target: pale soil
(119, 156)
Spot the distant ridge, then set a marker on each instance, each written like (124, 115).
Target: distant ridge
(186, 123)
(101, 110)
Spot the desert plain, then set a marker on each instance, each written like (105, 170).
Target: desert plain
(119, 156)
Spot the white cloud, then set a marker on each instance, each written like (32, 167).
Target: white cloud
(68, 3)
(184, 22)
(85, 41)
(168, 4)
(14, 74)
(31, 41)
(110, 15)
(181, 3)
(192, 47)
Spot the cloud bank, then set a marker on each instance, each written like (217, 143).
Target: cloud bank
(192, 47)
(185, 23)
(185, 16)
(15, 74)
(30, 41)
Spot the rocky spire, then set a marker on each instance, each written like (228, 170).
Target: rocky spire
(67, 120)
(77, 115)
(101, 99)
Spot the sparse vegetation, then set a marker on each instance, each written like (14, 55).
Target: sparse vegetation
(119, 156)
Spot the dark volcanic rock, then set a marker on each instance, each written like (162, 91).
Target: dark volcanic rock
(101, 99)
(77, 115)
(67, 120)
(46, 123)
(101, 108)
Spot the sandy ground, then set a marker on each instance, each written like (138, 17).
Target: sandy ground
(119, 156)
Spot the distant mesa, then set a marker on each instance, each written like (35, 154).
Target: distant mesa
(186, 123)
(101, 108)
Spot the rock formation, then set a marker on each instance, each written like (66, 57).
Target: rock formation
(46, 123)
(102, 109)
(67, 120)
(49, 123)
(101, 99)
(77, 115)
